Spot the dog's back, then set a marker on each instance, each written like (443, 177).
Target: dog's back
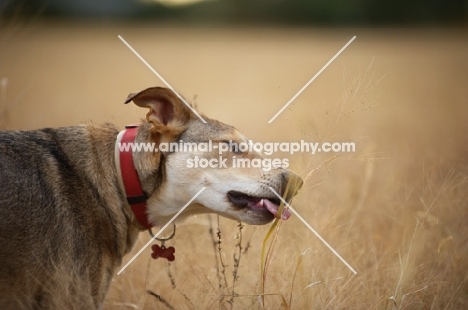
(45, 230)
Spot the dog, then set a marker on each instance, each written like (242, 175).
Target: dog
(72, 204)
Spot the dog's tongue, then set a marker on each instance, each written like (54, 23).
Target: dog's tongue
(273, 208)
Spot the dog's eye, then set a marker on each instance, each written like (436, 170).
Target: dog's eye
(233, 146)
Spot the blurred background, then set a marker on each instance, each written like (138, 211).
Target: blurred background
(295, 12)
(396, 209)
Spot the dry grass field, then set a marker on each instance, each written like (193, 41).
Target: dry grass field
(396, 209)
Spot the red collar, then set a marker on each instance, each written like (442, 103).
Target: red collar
(136, 197)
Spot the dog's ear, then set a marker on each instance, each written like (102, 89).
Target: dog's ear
(168, 114)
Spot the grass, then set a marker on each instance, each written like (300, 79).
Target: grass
(399, 221)
(408, 249)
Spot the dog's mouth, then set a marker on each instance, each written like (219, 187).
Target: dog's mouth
(270, 204)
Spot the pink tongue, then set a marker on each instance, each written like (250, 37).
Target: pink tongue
(273, 208)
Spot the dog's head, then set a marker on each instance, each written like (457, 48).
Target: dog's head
(210, 155)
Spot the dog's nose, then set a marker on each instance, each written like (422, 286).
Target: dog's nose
(293, 183)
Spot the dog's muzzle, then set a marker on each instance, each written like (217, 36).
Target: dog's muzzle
(290, 185)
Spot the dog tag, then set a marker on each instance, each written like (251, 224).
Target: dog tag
(162, 251)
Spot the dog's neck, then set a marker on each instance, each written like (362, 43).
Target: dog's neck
(128, 175)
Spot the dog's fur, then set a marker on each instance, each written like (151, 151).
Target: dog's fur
(64, 220)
